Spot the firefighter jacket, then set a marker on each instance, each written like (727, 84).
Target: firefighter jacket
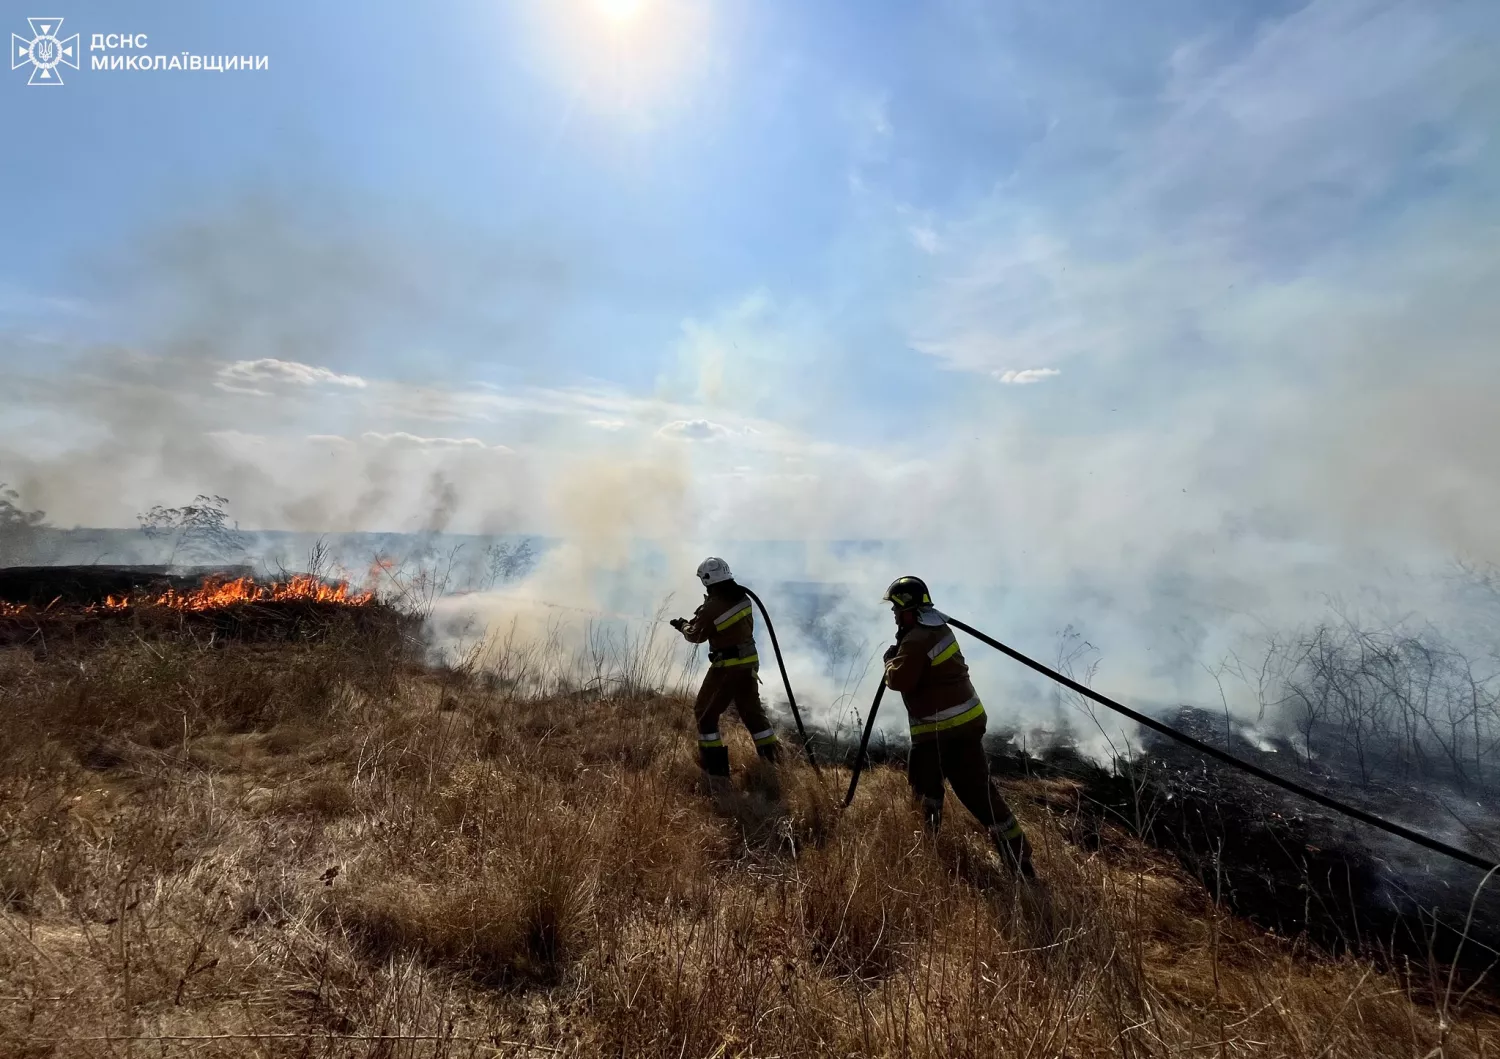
(727, 625)
(929, 671)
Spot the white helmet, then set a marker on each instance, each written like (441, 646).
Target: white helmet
(711, 571)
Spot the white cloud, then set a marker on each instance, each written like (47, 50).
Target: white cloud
(237, 438)
(1265, 159)
(483, 402)
(401, 439)
(250, 376)
(925, 237)
(1026, 376)
(694, 430)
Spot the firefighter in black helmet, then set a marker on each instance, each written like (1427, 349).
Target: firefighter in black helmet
(947, 721)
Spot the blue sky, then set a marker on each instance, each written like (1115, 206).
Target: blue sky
(1142, 294)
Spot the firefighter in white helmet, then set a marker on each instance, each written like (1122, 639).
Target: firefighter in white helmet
(726, 623)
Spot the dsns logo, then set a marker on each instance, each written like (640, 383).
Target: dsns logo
(44, 51)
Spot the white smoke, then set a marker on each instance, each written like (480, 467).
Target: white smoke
(1220, 404)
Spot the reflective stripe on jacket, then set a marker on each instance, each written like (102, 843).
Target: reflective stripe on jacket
(728, 627)
(929, 670)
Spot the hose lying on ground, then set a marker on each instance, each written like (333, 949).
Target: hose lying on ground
(786, 682)
(1229, 759)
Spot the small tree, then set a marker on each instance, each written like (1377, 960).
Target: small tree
(198, 531)
(19, 528)
(508, 562)
(320, 558)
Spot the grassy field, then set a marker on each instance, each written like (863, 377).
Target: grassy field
(322, 850)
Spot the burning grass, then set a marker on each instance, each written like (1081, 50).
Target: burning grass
(320, 849)
(299, 607)
(214, 594)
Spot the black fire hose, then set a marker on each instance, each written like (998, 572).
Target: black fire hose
(864, 741)
(1229, 759)
(786, 682)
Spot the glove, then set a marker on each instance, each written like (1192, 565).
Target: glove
(890, 652)
(677, 623)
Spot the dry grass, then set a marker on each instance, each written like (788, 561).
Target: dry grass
(313, 851)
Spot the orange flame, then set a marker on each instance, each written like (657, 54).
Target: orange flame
(215, 593)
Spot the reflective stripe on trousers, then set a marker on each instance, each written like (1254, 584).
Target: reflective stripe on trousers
(1008, 830)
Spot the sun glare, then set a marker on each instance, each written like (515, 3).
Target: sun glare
(626, 57)
(619, 10)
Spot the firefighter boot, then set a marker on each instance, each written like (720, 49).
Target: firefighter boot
(1015, 852)
(932, 815)
(714, 759)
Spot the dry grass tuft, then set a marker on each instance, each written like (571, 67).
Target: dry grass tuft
(319, 850)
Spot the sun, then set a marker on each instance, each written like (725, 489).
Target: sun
(619, 10)
(637, 58)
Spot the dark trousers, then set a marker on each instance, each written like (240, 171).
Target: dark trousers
(722, 688)
(960, 760)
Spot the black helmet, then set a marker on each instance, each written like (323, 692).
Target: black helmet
(908, 592)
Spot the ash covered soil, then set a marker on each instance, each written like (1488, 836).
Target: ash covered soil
(1289, 864)
(1297, 866)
